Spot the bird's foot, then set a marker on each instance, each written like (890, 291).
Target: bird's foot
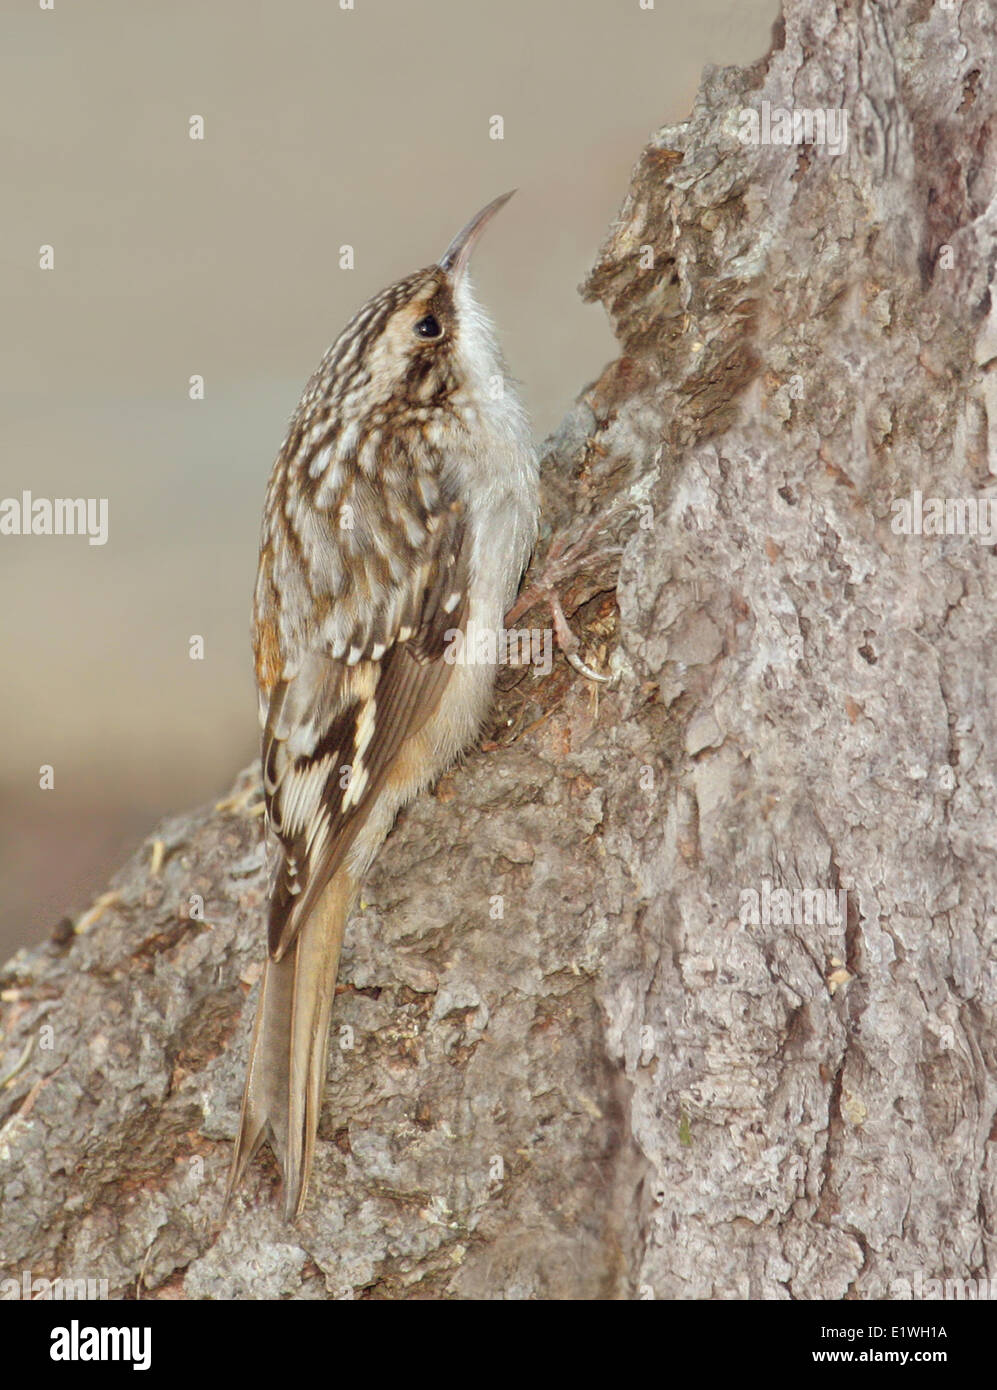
(563, 562)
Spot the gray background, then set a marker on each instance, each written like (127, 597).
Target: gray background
(220, 257)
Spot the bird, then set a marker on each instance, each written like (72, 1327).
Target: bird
(400, 515)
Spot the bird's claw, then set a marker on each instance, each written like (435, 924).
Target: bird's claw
(562, 562)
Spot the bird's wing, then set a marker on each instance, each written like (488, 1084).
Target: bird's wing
(351, 696)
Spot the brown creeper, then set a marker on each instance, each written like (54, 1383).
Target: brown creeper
(402, 511)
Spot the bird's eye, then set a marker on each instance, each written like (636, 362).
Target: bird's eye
(429, 327)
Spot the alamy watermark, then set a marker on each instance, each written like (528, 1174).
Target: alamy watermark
(918, 515)
(30, 1288)
(487, 646)
(54, 516)
(799, 907)
(944, 1290)
(794, 125)
(86, 1343)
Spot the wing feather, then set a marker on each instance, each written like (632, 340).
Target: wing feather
(335, 727)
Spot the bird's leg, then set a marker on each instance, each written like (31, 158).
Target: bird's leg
(562, 562)
(246, 801)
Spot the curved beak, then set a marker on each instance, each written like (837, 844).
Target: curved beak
(455, 258)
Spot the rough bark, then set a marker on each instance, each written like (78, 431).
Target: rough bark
(621, 1087)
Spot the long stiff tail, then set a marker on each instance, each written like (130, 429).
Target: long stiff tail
(287, 1056)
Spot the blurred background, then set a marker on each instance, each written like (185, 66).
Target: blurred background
(219, 257)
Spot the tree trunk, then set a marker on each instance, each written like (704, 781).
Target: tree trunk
(685, 987)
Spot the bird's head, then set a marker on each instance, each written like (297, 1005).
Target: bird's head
(422, 342)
